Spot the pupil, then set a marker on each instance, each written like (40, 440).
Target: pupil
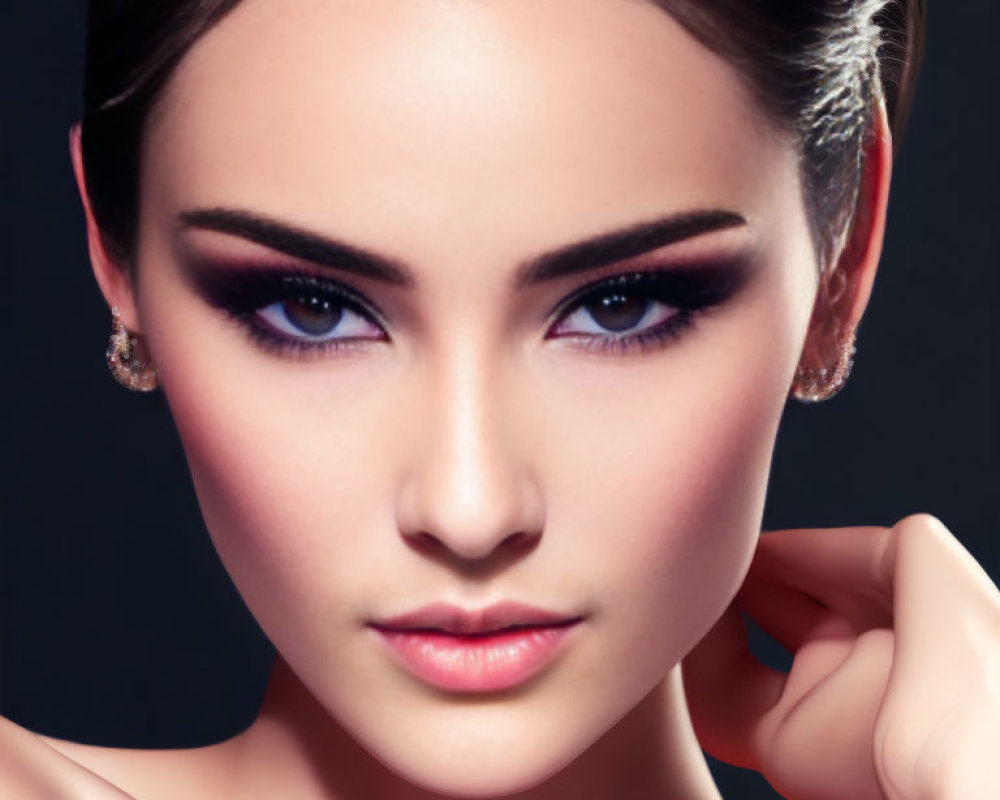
(617, 312)
(312, 315)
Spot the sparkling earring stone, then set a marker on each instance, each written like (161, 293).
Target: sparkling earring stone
(811, 385)
(128, 369)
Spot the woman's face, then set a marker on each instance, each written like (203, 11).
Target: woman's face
(477, 422)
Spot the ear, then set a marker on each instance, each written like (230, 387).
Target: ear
(112, 274)
(846, 284)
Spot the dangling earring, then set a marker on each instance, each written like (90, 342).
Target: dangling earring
(124, 361)
(814, 384)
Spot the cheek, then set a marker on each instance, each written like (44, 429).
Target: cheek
(662, 495)
(288, 497)
(289, 463)
(693, 516)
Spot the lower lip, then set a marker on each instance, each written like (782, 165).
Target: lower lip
(488, 663)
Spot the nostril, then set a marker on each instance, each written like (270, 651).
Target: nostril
(519, 543)
(426, 544)
(511, 548)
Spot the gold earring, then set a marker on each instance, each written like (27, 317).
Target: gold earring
(124, 361)
(821, 383)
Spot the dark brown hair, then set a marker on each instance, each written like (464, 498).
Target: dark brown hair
(817, 66)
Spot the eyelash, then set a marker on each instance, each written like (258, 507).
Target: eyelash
(244, 294)
(687, 292)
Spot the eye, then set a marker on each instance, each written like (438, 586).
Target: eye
(632, 312)
(292, 314)
(641, 311)
(614, 314)
(315, 318)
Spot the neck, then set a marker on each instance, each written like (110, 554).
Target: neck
(295, 749)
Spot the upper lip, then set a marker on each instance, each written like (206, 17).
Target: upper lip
(453, 619)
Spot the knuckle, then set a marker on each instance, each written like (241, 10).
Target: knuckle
(925, 532)
(896, 757)
(877, 639)
(921, 524)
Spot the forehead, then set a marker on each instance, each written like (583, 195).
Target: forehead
(387, 117)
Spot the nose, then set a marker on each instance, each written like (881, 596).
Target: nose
(469, 495)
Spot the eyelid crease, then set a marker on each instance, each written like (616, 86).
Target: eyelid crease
(242, 290)
(684, 285)
(200, 264)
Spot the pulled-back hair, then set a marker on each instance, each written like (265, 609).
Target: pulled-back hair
(817, 68)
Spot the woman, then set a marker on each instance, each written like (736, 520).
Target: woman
(501, 478)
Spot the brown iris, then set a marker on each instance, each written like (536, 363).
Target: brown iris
(617, 312)
(313, 315)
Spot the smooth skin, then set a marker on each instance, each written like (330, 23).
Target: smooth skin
(464, 451)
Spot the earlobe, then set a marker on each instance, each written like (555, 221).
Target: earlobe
(112, 276)
(845, 286)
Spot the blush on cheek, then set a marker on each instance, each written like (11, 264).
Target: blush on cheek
(244, 486)
(708, 490)
(728, 446)
(733, 462)
(236, 507)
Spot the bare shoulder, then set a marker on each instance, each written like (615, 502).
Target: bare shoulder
(45, 766)
(31, 768)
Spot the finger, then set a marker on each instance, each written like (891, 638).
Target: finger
(729, 692)
(947, 608)
(817, 637)
(821, 745)
(786, 614)
(947, 654)
(844, 569)
(736, 703)
(938, 586)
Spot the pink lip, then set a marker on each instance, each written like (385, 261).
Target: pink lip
(486, 650)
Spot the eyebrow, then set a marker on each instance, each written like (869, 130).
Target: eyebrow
(606, 248)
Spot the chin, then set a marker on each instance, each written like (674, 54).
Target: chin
(496, 760)
(482, 776)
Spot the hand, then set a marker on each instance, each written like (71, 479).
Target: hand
(31, 770)
(894, 690)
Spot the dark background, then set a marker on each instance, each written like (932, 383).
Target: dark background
(118, 625)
